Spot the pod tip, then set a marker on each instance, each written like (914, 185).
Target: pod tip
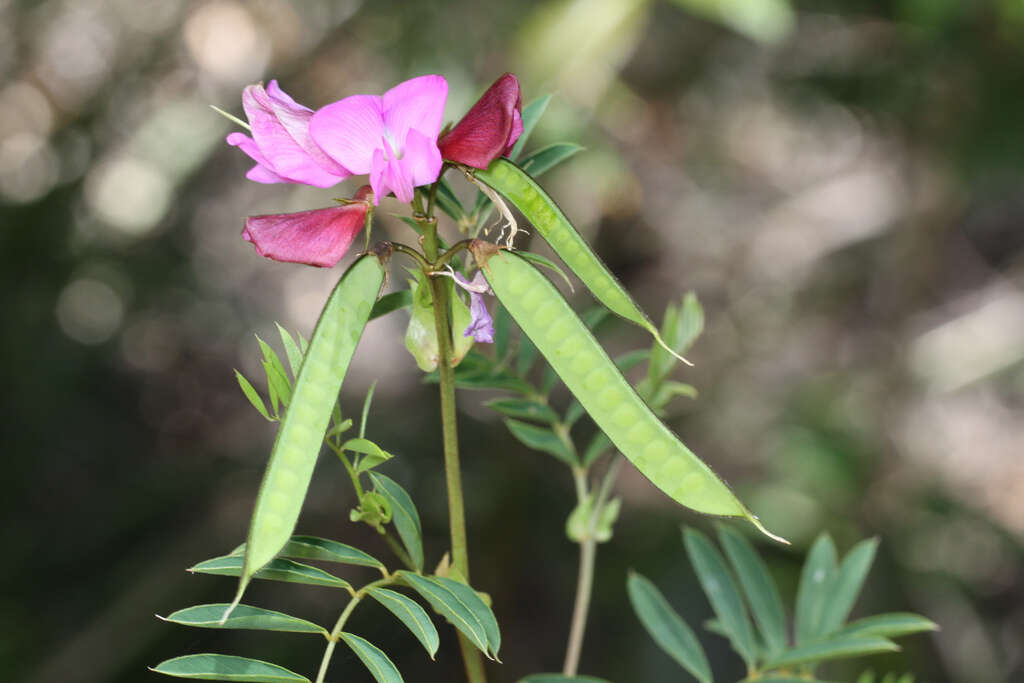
(234, 603)
(764, 530)
(661, 342)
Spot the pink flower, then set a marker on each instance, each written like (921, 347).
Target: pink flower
(391, 137)
(318, 238)
(481, 325)
(281, 145)
(489, 129)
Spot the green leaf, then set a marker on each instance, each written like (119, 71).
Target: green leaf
(270, 356)
(681, 326)
(373, 454)
(834, 648)
(449, 606)
(888, 625)
(597, 447)
(404, 516)
(242, 617)
(523, 408)
(538, 260)
(391, 302)
(631, 359)
(472, 600)
(373, 658)
(213, 667)
(541, 439)
(326, 550)
(540, 161)
(252, 395)
(760, 590)
(559, 678)
(276, 570)
(448, 202)
(531, 114)
(815, 586)
(526, 356)
(366, 412)
(339, 428)
(669, 390)
(718, 585)
(848, 584)
(277, 382)
(502, 333)
(667, 628)
(409, 613)
(291, 349)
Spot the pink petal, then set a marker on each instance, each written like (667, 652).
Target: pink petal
(318, 238)
(350, 130)
(294, 118)
(279, 145)
(416, 104)
(261, 172)
(489, 128)
(422, 158)
(389, 174)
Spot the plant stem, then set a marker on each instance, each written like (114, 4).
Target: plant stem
(335, 634)
(452, 471)
(588, 555)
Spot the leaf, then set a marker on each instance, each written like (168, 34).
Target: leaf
(366, 413)
(541, 439)
(538, 260)
(326, 550)
(242, 617)
(834, 648)
(531, 114)
(666, 627)
(718, 585)
(391, 302)
(502, 332)
(760, 590)
(669, 390)
(409, 613)
(526, 356)
(559, 678)
(277, 382)
(448, 202)
(276, 570)
(374, 454)
(270, 356)
(339, 428)
(213, 667)
(252, 395)
(523, 408)
(541, 161)
(373, 658)
(681, 326)
(447, 604)
(472, 600)
(848, 584)
(291, 349)
(815, 586)
(404, 516)
(888, 625)
(597, 447)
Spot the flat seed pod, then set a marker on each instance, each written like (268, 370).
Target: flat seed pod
(300, 437)
(572, 351)
(541, 210)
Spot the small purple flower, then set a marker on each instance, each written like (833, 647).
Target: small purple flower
(481, 325)
(281, 145)
(392, 137)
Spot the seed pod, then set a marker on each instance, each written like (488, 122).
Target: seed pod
(575, 355)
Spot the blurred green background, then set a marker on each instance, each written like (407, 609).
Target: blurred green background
(840, 181)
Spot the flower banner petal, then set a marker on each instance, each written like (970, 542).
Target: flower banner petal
(349, 131)
(416, 104)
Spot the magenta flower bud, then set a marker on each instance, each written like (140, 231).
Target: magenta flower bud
(317, 238)
(281, 145)
(489, 129)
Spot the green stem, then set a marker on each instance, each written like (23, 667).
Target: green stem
(588, 555)
(335, 635)
(453, 473)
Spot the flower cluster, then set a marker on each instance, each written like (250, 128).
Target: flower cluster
(393, 138)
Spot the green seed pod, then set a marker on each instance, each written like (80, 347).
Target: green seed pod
(300, 437)
(542, 211)
(572, 351)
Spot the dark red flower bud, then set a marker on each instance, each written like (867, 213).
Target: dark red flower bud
(489, 129)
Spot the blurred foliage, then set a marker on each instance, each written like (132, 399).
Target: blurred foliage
(845, 201)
